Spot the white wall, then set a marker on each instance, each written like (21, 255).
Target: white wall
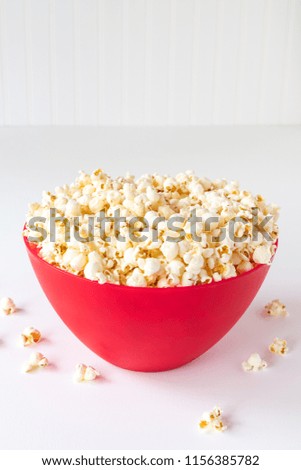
(150, 62)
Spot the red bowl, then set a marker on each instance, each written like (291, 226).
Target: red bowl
(143, 328)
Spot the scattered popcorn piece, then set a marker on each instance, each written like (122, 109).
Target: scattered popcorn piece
(151, 266)
(36, 360)
(254, 363)
(30, 336)
(85, 373)
(279, 346)
(276, 309)
(80, 370)
(212, 421)
(91, 373)
(7, 305)
(151, 255)
(136, 279)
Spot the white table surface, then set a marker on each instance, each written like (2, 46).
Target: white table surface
(127, 410)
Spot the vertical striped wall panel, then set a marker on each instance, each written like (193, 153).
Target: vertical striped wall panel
(150, 62)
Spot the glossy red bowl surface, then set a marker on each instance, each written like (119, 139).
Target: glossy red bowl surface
(143, 328)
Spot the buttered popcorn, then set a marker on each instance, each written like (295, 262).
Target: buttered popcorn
(7, 305)
(30, 336)
(36, 360)
(279, 346)
(212, 421)
(155, 242)
(85, 373)
(254, 363)
(276, 309)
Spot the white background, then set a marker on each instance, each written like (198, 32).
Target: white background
(127, 410)
(150, 62)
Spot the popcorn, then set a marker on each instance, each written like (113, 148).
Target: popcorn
(78, 262)
(96, 204)
(92, 270)
(85, 373)
(254, 363)
(175, 267)
(136, 279)
(72, 208)
(151, 266)
(212, 421)
(156, 250)
(36, 360)
(262, 255)
(130, 256)
(7, 305)
(195, 264)
(244, 267)
(279, 346)
(276, 309)
(163, 282)
(30, 336)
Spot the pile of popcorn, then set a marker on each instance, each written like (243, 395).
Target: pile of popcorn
(159, 262)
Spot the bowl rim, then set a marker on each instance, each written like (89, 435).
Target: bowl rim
(33, 249)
